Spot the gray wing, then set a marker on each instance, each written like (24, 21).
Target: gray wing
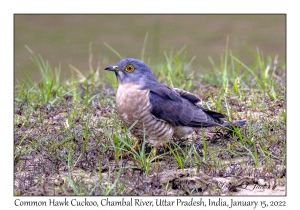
(181, 108)
(187, 95)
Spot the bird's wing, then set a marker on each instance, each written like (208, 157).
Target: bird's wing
(189, 96)
(179, 108)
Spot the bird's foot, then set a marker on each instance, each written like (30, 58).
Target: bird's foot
(153, 156)
(135, 148)
(154, 151)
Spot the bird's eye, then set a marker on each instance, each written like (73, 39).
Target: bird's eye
(129, 68)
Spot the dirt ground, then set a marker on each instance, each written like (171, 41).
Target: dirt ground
(43, 150)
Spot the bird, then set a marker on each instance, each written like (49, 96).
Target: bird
(160, 113)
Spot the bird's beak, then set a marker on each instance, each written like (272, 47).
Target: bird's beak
(112, 68)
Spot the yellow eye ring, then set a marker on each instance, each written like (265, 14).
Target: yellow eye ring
(129, 68)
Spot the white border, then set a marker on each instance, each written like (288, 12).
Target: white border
(6, 38)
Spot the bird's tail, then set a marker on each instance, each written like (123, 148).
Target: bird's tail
(236, 123)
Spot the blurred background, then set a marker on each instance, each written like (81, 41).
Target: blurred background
(65, 39)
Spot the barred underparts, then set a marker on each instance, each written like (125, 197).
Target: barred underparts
(157, 131)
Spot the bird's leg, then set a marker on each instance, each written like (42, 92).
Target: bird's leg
(135, 148)
(136, 145)
(154, 151)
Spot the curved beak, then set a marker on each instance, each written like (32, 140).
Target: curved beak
(112, 68)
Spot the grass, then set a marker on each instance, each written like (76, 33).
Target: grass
(68, 139)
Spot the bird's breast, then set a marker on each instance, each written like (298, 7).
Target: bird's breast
(132, 103)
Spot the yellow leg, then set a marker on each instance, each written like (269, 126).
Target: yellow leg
(154, 153)
(135, 148)
(136, 145)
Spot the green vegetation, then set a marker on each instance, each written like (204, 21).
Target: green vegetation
(68, 139)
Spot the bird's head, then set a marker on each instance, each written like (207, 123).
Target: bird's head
(131, 70)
